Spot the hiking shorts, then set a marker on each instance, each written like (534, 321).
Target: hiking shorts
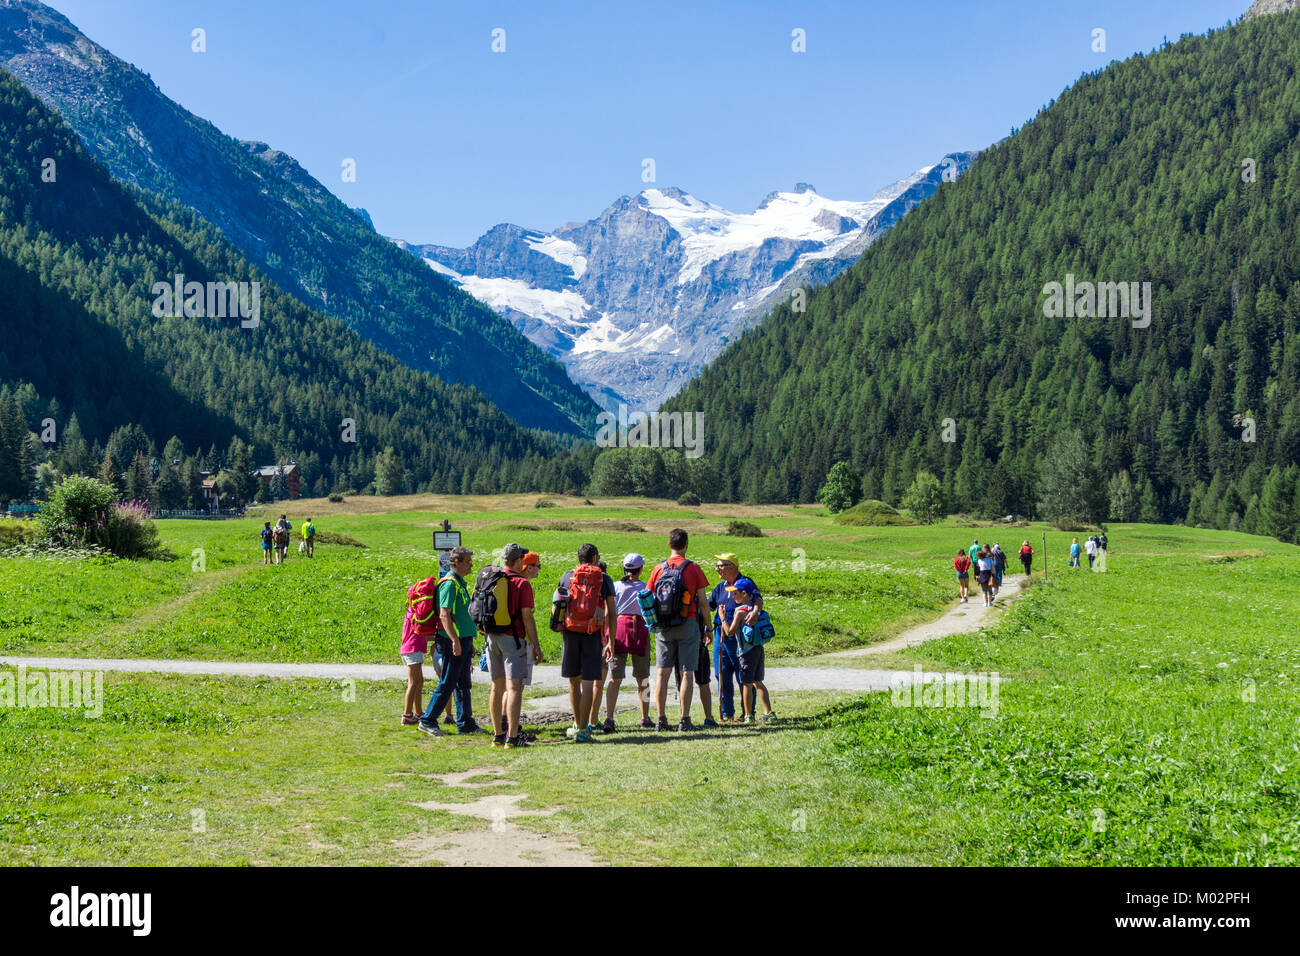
(640, 666)
(507, 657)
(415, 657)
(679, 646)
(581, 656)
(751, 665)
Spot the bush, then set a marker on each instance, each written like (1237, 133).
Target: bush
(333, 537)
(690, 499)
(544, 503)
(16, 534)
(871, 514)
(743, 529)
(84, 513)
(336, 497)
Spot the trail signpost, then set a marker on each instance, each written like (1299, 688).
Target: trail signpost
(443, 542)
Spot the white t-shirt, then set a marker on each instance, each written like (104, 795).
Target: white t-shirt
(625, 593)
(1090, 546)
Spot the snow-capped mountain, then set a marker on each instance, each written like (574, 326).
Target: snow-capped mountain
(639, 299)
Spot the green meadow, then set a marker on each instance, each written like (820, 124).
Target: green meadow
(1147, 714)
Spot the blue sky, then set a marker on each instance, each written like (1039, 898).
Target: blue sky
(450, 138)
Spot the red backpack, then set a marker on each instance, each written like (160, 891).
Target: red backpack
(422, 599)
(585, 613)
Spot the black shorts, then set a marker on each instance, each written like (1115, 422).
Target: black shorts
(581, 656)
(751, 665)
(704, 672)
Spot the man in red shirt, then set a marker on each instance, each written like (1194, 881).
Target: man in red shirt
(679, 643)
(507, 651)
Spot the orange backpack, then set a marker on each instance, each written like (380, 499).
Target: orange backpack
(585, 613)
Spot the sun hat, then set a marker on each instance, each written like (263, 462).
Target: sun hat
(727, 557)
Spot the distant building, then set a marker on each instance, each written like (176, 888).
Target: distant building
(290, 472)
(211, 496)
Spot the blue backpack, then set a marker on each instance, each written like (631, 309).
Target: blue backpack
(758, 633)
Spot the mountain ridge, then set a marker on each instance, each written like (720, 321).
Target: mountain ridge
(283, 219)
(638, 299)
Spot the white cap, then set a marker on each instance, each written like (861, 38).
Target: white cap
(633, 561)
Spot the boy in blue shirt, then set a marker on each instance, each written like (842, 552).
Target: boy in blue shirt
(723, 603)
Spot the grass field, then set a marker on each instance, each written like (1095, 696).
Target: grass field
(1149, 715)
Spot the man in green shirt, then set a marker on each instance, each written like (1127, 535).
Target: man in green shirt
(974, 552)
(455, 642)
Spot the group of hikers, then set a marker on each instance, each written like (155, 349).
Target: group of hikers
(275, 541)
(1094, 547)
(989, 563)
(602, 623)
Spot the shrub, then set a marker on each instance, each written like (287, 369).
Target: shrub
(743, 529)
(333, 537)
(544, 503)
(15, 534)
(84, 513)
(336, 497)
(690, 499)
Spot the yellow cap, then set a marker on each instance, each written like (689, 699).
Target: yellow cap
(729, 557)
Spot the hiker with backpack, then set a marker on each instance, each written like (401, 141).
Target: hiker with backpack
(502, 609)
(413, 648)
(1074, 553)
(589, 611)
(1026, 557)
(631, 638)
(984, 574)
(309, 537)
(962, 564)
(680, 588)
(282, 528)
(726, 653)
(752, 657)
(999, 567)
(267, 536)
(455, 641)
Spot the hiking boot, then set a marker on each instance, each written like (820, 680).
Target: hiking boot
(514, 743)
(747, 720)
(683, 725)
(498, 741)
(710, 722)
(770, 715)
(410, 720)
(474, 729)
(608, 726)
(647, 723)
(526, 736)
(433, 730)
(662, 724)
(584, 737)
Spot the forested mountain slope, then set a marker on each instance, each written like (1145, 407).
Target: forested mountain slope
(1179, 168)
(285, 221)
(79, 257)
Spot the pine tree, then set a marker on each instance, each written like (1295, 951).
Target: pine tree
(110, 472)
(139, 486)
(1122, 497)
